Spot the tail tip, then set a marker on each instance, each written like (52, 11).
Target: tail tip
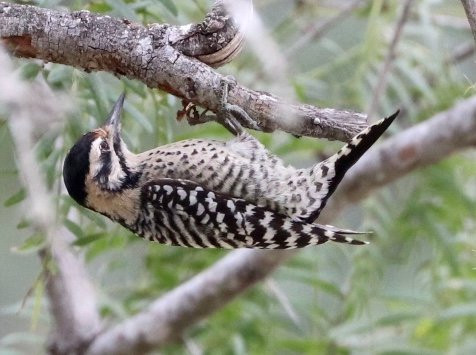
(359, 242)
(392, 116)
(347, 240)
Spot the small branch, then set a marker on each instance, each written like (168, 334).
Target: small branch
(470, 9)
(93, 42)
(72, 299)
(319, 29)
(283, 299)
(167, 318)
(452, 22)
(382, 79)
(71, 295)
(461, 53)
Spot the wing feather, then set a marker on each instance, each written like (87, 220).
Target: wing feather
(200, 218)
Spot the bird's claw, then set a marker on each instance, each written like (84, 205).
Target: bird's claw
(228, 114)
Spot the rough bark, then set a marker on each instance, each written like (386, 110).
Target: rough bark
(215, 41)
(153, 54)
(167, 318)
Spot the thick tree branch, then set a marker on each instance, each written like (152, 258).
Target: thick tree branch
(167, 318)
(71, 295)
(93, 42)
(470, 9)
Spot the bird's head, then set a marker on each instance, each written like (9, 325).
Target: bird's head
(100, 158)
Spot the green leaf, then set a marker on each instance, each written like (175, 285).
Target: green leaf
(139, 117)
(23, 224)
(397, 318)
(30, 70)
(74, 228)
(103, 245)
(459, 311)
(119, 7)
(30, 245)
(169, 5)
(100, 7)
(98, 219)
(16, 198)
(39, 292)
(89, 239)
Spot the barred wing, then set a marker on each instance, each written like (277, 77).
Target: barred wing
(181, 212)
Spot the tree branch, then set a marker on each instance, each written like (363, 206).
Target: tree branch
(461, 53)
(167, 318)
(71, 295)
(72, 299)
(152, 54)
(470, 9)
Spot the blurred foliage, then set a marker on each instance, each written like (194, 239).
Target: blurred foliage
(412, 291)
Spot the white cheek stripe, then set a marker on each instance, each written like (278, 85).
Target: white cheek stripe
(116, 175)
(95, 157)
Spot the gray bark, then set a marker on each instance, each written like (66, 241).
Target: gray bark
(155, 55)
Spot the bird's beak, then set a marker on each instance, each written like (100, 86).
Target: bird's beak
(114, 119)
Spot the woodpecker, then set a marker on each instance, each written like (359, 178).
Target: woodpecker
(207, 193)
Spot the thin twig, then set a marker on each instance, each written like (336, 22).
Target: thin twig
(461, 53)
(319, 29)
(470, 9)
(284, 301)
(382, 78)
(452, 22)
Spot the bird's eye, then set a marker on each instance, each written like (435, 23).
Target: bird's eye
(104, 146)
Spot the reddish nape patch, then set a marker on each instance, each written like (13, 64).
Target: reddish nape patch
(20, 46)
(101, 132)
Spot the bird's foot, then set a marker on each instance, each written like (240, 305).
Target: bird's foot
(229, 115)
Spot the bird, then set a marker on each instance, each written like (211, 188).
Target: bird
(204, 193)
